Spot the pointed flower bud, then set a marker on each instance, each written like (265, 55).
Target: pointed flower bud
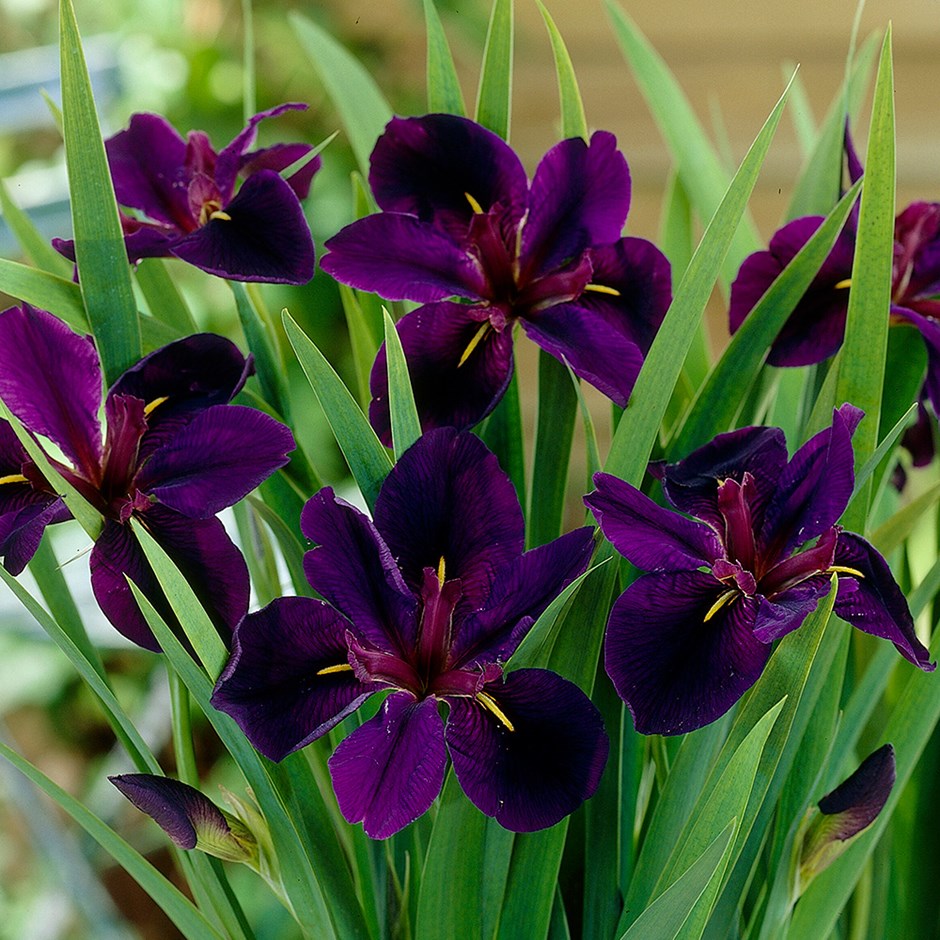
(190, 819)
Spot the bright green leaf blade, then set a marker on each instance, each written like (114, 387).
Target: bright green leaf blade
(58, 295)
(99, 243)
(862, 363)
(363, 344)
(444, 94)
(883, 449)
(35, 246)
(367, 458)
(177, 906)
(701, 171)
(354, 93)
(406, 427)
(664, 918)
(268, 367)
(891, 533)
(573, 120)
(716, 405)
(801, 112)
(639, 427)
(163, 297)
(494, 98)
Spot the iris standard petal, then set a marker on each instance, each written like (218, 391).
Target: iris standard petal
(288, 680)
(428, 166)
(579, 197)
(265, 236)
(216, 459)
(403, 258)
(532, 775)
(676, 670)
(389, 770)
(354, 570)
(51, 380)
(459, 367)
(147, 162)
(447, 498)
(874, 603)
(650, 537)
(595, 350)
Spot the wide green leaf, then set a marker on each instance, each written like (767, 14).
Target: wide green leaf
(573, 120)
(35, 246)
(406, 426)
(444, 94)
(263, 345)
(58, 295)
(494, 96)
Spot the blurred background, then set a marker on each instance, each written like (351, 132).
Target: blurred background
(183, 58)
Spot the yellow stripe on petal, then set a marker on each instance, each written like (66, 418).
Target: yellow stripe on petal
(841, 569)
(843, 284)
(155, 404)
(221, 216)
(477, 208)
(477, 337)
(724, 599)
(13, 478)
(602, 289)
(490, 705)
(329, 670)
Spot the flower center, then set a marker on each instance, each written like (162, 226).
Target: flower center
(212, 210)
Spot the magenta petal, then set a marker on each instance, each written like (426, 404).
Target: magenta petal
(434, 338)
(675, 670)
(785, 612)
(273, 686)
(51, 380)
(579, 197)
(389, 771)
(874, 603)
(147, 167)
(426, 167)
(354, 570)
(266, 237)
(402, 258)
(542, 770)
(430, 509)
(595, 350)
(216, 459)
(650, 537)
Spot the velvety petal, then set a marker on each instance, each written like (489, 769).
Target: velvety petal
(675, 670)
(147, 167)
(520, 593)
(533, 775)
(814, 488)
(691, 485)
(917, 252)
(874, 603)
(51, 380)
(202, 551)
(354, 570)
(279, 158)
(590, 345)
(786, 611)
(266, 237)
(650, 537)
(216, 459)
(447, 498)
(427, 166)
(402, 258)
(642, 277)
(435, 338)
(815, 329)
(389, 771)
(288, 680)
(930, 330)
(24, 515)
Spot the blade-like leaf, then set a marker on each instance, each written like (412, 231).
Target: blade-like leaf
(406, 427)
(34, 245)
(494, 96)
(163, 297)
(268, 365)
(58, 295)
(444, 94)
(573, 120)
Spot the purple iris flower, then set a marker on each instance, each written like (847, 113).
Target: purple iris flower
(460, 219)
(187, 194)
(685, 641)
(428, 601)
(172, 454)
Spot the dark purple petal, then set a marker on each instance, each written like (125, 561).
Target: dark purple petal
(814, 488)
(51, 380)
(403, 258)
(917, 253)
(427, 166)
(216, 459)
(580, 197)
(521, 592)
(874, 603)
(595, 350)
(435, 338)
(691, 485)
(147, 167)
(389, 771)
(354, 570)
(815, 329)
(650, 537)
(288, 680)
(675, 670)
(785, 612)
(545, 767)
(447, 498)
(279, 158)
(642, 277)
(24, 515)
(930, 331)
(266, 237)
(202, 551)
